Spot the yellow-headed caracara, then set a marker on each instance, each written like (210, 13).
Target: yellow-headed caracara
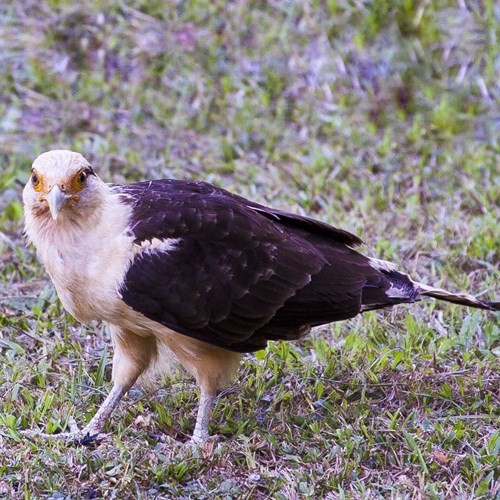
(190, 268)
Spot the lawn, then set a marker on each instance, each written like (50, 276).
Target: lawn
(379, 117)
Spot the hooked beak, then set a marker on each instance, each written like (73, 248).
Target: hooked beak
(56, 199)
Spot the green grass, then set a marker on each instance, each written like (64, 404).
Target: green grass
(378, 117)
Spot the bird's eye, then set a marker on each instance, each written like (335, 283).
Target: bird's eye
(80, 180)
(35, 180)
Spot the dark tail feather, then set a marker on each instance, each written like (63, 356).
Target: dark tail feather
(463, 299)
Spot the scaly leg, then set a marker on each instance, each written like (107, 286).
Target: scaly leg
(214, 369)
(200, 433)
(133, 354)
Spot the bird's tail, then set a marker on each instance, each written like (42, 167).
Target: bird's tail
(463, 299)
(397, 287)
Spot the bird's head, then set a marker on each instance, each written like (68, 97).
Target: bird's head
(61, 182)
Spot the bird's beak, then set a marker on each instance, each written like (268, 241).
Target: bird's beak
(56, 200)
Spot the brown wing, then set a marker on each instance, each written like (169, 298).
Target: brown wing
(236, 274)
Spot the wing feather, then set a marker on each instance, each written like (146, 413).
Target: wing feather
(238, 273)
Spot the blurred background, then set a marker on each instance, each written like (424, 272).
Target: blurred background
(325, 106)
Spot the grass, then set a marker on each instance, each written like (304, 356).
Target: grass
(379, 117)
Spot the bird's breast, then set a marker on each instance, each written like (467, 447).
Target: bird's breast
(87, 266)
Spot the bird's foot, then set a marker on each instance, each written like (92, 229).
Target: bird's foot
(203, 446)
(202, 439)
(76, 435)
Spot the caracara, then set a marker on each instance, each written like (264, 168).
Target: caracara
(193, 270)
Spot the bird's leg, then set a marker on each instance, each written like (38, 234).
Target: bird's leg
(200, 433)
(132, 357)
(96, 424)
(94, 427)
(214, 368)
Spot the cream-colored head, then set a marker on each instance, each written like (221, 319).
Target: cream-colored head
(62, 184)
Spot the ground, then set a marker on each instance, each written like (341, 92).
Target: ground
(376, 116)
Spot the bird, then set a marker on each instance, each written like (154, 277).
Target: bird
(188, 273)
